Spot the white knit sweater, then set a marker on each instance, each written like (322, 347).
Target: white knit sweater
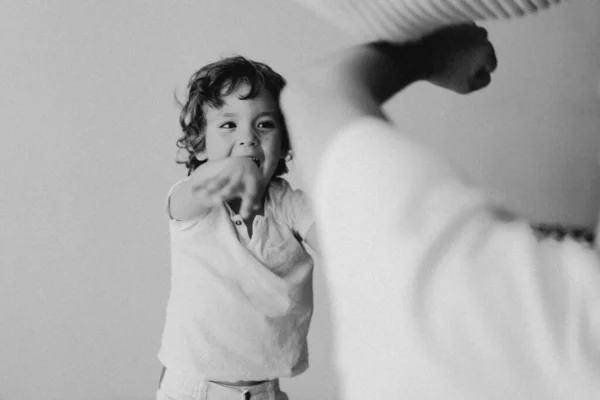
(406, 20)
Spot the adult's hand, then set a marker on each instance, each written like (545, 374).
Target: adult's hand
(461, 58)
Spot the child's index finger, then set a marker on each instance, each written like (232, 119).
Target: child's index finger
(249, 199)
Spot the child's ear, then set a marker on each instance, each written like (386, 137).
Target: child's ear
(286, 155)
(201, 156)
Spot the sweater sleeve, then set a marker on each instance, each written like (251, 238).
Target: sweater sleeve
(435, 287)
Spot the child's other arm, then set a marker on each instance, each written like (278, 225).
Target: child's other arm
(213, 183)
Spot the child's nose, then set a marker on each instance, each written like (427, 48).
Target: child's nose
(247, 137)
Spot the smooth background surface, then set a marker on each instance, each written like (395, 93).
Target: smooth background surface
(88, 143)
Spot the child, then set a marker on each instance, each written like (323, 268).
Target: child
(241, 286)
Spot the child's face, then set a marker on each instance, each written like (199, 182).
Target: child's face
(249, 128)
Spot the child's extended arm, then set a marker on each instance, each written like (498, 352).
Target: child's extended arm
(356, 82)
(213, 183)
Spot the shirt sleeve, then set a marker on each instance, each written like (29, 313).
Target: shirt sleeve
(296, 209)
(469, 304)
(167, 209)
(175, 223)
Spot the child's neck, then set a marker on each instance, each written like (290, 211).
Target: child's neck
(235, 205)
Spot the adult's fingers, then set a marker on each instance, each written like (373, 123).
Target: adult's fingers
(491, 63)
(480, 80)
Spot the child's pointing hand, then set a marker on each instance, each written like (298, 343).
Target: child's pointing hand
(239, 178)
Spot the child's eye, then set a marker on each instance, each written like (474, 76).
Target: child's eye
(228, 125)
(267, 125)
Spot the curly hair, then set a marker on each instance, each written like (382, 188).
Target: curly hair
(208, 86)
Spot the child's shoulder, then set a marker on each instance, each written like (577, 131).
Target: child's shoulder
(281, 193)
(278, 189)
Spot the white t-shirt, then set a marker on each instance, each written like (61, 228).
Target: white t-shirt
(240, 307)
(436, 293)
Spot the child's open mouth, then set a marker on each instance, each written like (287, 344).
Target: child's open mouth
(256, 161)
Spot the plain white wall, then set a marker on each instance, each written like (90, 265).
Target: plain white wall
(533, 134)
(88, 143)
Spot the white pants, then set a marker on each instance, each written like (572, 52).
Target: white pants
(178, 386)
